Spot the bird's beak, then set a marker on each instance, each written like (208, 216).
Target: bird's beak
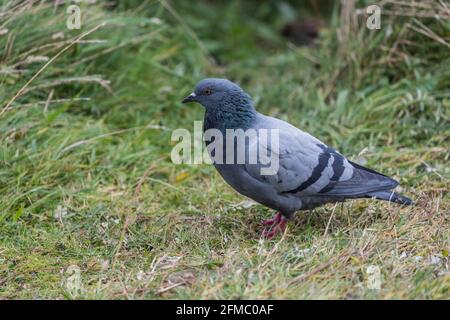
(190, 98)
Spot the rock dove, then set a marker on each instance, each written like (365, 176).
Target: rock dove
(309, 174)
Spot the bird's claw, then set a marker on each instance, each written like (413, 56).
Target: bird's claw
(278, 224)
(275, 220)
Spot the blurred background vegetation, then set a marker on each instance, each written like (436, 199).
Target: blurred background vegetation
(86, 117)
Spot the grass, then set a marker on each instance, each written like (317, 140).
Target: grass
(92, 206)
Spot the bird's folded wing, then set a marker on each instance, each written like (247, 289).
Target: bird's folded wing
(307, 167)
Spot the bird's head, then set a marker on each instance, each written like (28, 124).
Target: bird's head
(219, 95)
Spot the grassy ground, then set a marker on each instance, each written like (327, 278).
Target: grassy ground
(92, 207)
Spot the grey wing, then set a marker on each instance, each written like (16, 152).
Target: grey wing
(362, 182)
(293, 160)
(307, 167)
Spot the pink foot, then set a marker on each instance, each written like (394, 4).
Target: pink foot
(279, 226)
(275, 220)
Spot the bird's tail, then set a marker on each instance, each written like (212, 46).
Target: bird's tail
(390, 196)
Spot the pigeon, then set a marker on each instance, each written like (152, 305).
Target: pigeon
(310, 173)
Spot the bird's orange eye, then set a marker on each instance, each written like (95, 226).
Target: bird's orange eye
(207, 92)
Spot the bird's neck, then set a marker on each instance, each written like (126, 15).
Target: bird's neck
(238, 117)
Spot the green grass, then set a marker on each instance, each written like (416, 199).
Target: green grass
(92, 207)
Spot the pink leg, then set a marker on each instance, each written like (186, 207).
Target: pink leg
(280, 226)
(275, 220)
